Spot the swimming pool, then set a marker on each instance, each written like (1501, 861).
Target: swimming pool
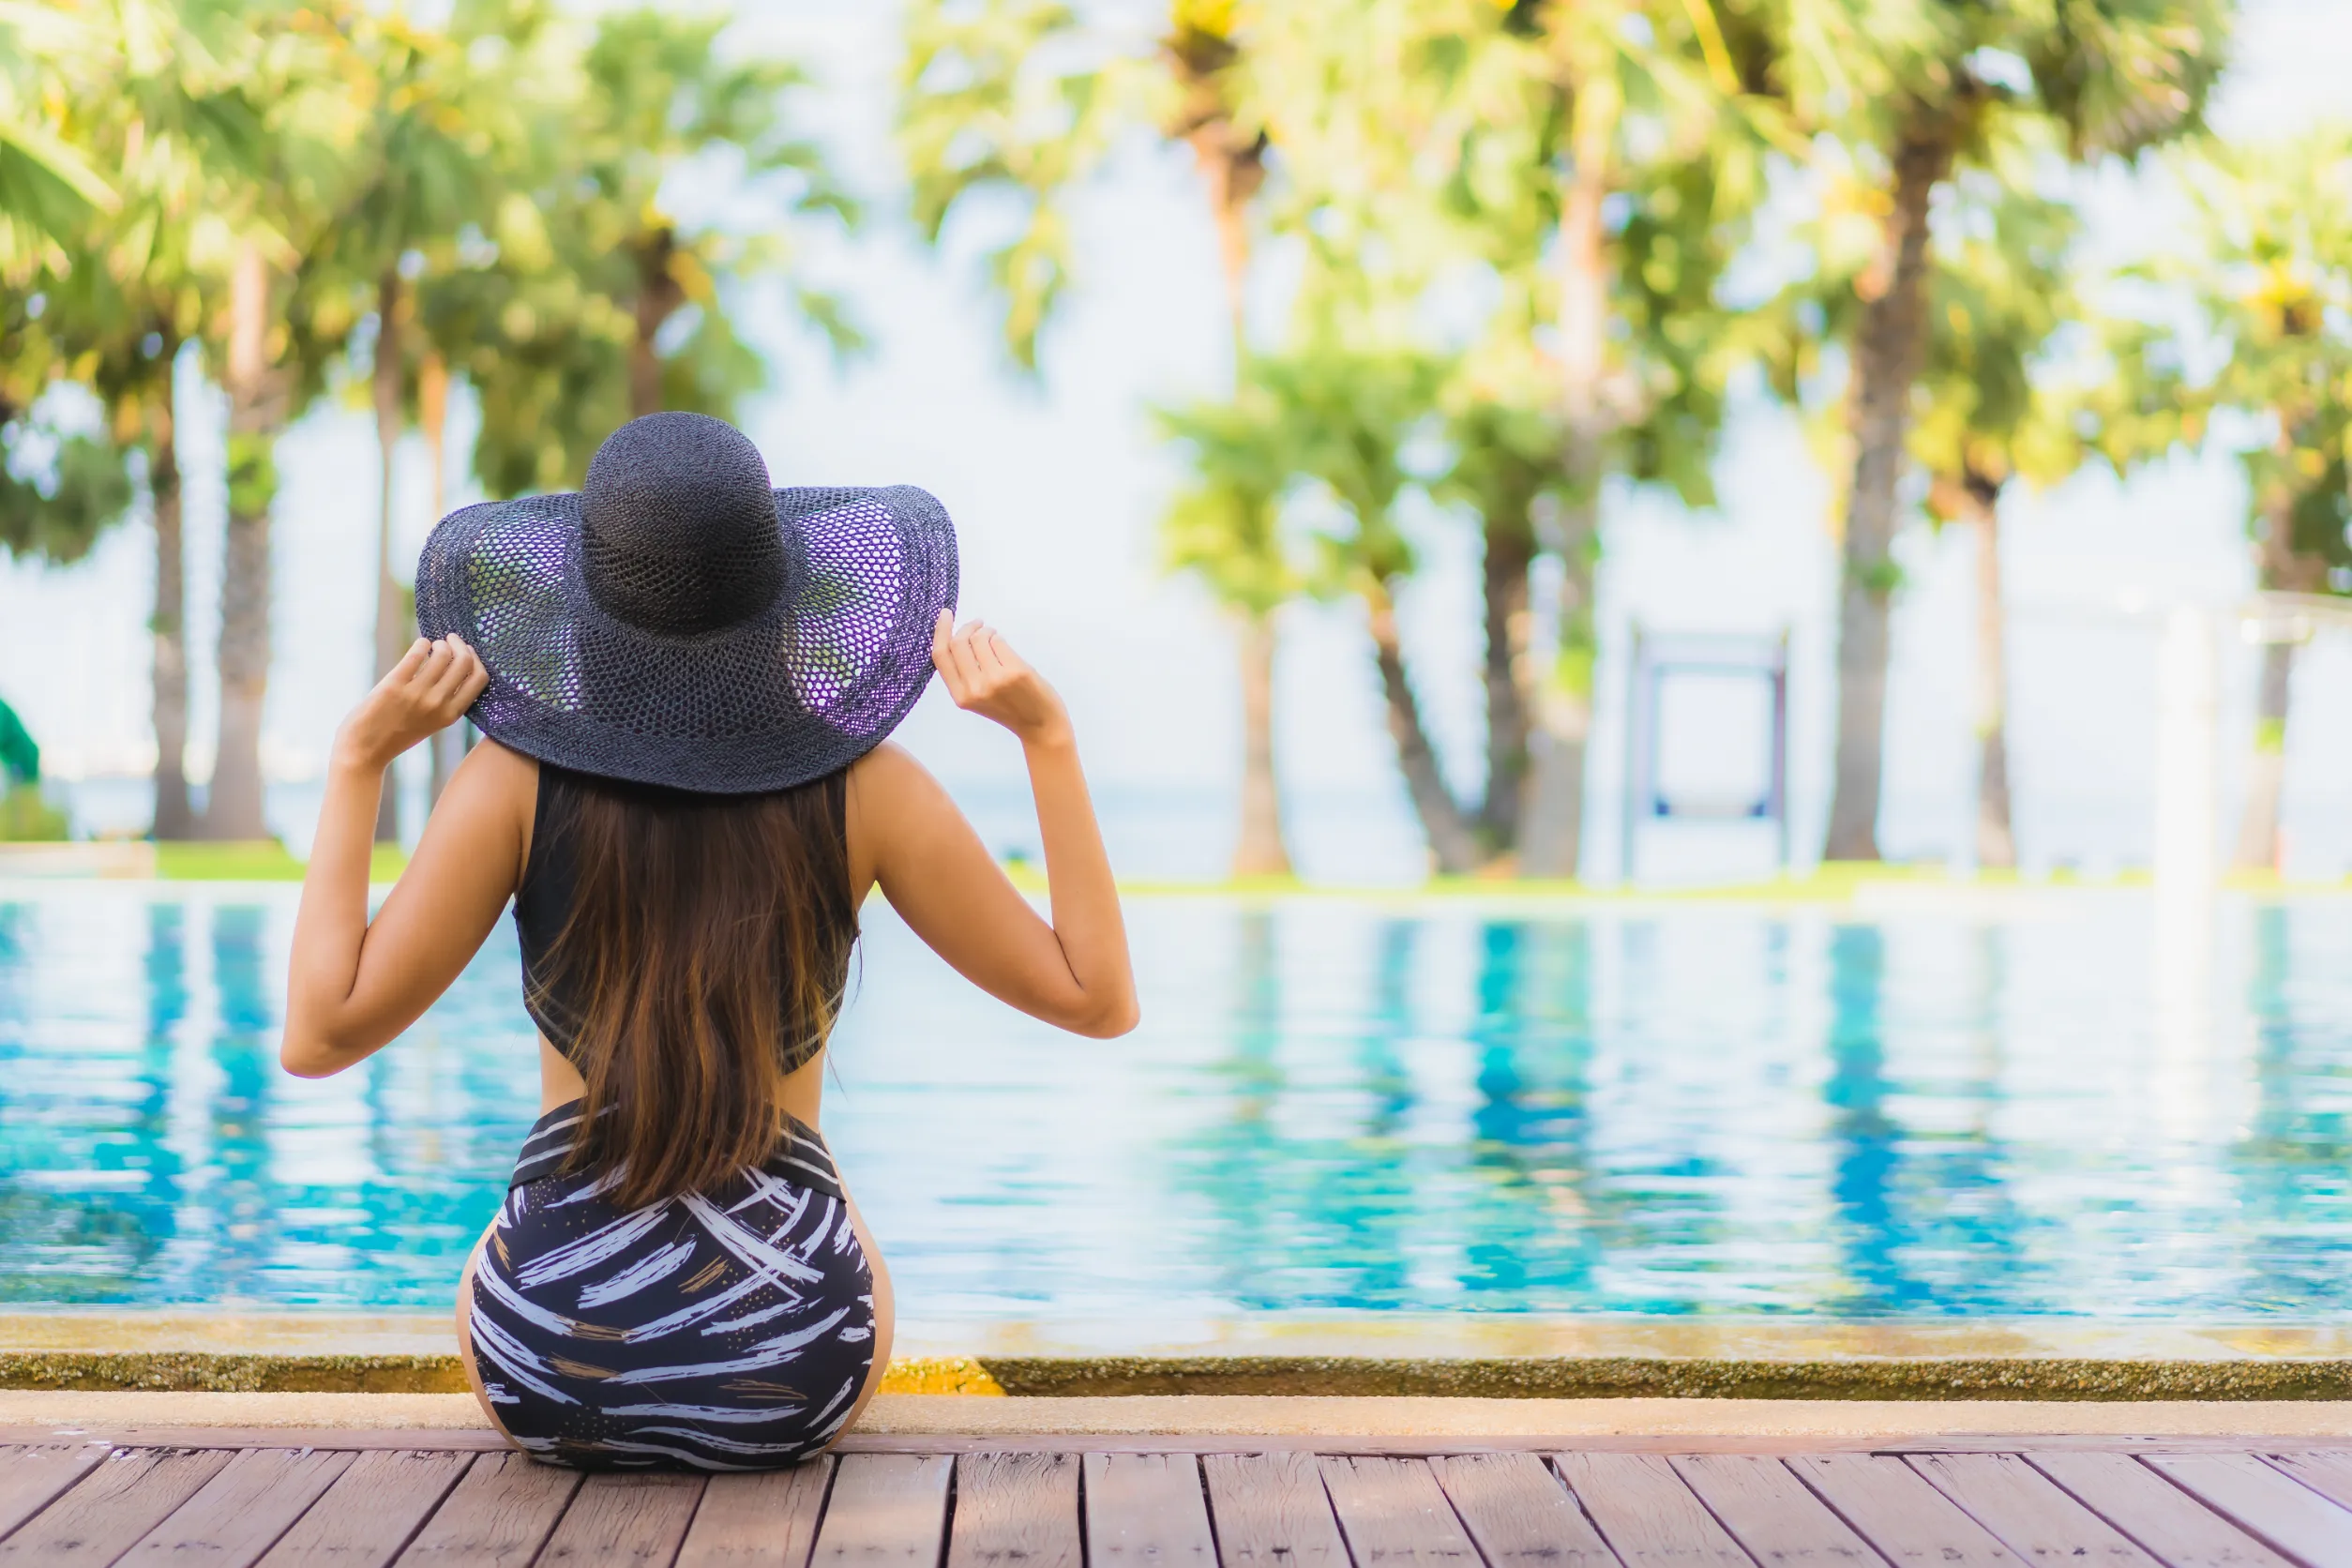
(2010, 1108)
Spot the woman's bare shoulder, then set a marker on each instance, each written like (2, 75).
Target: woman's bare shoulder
(874, 790)
(499, 772)
(888, 769)
(494, 789)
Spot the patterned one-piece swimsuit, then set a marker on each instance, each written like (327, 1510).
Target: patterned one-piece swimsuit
(727, 1331)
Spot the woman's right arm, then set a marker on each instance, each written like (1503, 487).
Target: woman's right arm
(906, 834)
(352, 983)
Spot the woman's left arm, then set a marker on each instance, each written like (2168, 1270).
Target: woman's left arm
(353, 984)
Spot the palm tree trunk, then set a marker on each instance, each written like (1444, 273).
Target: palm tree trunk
(174, 817)
(1888, 350)
(233, 808)
(1552, 828)
(645, 375)
(1234, 170)
(1234, 173)
(1260, 851)
(432, 412)
(1996, 844)
(658, 297)
(1442, 826)
(1551, 838)
(1509, 556)
(391, 612)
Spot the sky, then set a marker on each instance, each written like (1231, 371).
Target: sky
(1056, 486)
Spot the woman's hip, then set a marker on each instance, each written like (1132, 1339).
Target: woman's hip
(729, 1330)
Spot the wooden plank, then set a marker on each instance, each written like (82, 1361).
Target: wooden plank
(628, 1517)
(2028, 1511)
(1669, 1444)
(371, 1510)
(764, 1520)
(1016, 1511)
(2158, 1514)
(1146, 1510)
(32, 1476)
(2328, 1474)
(887, 1511)
(1649, 1519)
(2270, 1507)
(1909, 1522)
(1772, 1513)
(127, 1495)
(1271, 1512)
(1517, 1511)
(1393, 1513)
(498, 1515)
(242, 1511)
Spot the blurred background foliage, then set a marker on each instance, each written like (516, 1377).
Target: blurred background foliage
(1489, 257)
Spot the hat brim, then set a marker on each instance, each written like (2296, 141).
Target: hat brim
(800, 690)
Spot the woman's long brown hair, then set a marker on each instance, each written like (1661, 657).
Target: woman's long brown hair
(708, 940)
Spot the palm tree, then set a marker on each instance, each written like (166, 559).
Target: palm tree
(992, 107)
(1918, 89)
(170, 121)
(445, 141)
(1505, 467)
(659, 93)
(1225, 527)
(260, 407)
(2268, 276)
(586, 301)
(2000, 293)
(1998, 289)
(1353, 402)
(1432, 136)
(276, 333)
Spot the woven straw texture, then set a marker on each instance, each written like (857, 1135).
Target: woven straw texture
(677, 622)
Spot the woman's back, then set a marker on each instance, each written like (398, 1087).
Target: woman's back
(557, 994)
(686, 954)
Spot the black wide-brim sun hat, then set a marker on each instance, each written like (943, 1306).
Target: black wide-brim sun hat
(679, 622)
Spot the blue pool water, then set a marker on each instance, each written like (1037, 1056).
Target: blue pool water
(2034, 1106)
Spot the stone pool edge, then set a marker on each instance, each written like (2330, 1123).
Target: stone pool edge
(1346, 1355)
(1945, 1377)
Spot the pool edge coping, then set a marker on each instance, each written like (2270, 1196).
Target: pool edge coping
(1898, 1378)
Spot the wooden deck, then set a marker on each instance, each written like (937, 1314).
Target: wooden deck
(365, 1499)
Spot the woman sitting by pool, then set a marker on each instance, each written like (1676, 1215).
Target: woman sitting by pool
(687, 680)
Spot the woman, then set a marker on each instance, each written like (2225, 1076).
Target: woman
(687, 680)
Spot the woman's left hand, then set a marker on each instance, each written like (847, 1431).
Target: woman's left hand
(429, 690)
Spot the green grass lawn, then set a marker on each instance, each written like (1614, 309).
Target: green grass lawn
(1835, 882)
(265, 860)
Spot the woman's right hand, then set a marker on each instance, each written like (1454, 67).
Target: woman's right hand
(429, 690)
(985, 676)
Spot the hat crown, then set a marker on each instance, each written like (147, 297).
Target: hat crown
(678, 526)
